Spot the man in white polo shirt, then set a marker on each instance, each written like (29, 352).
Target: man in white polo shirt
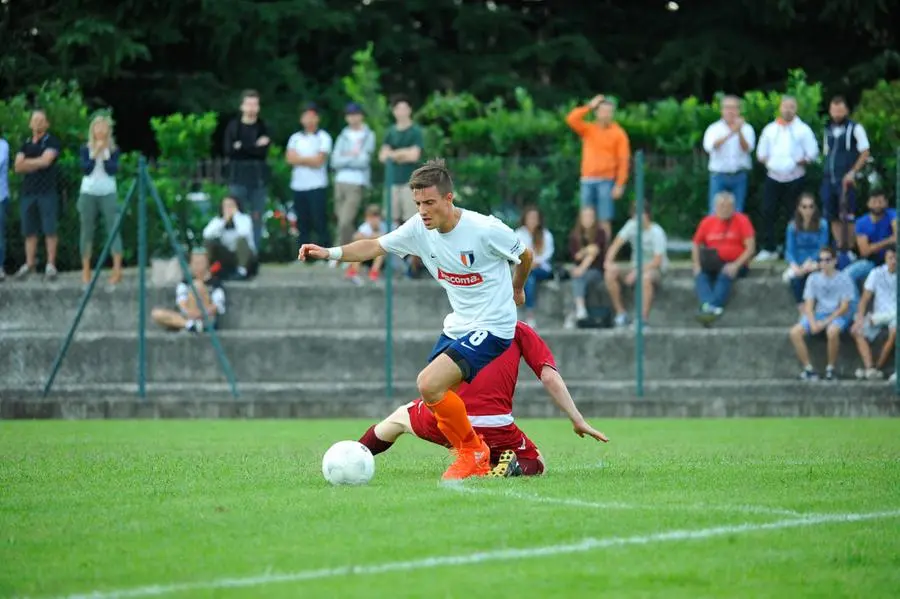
(307, 152)
(729, 142)
(880, 285)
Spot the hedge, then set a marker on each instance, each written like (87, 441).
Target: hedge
(505, 154)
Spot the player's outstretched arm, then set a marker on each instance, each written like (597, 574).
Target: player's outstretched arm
(556, 387)
(357, 251)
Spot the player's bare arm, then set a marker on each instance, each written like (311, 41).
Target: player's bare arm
(559, 393)
(357, 251)
(520, 275)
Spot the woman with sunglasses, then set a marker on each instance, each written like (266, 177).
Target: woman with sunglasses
(806, 234)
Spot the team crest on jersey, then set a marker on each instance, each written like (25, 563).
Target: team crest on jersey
(467, 258)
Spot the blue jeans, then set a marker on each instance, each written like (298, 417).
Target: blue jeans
(310, 208)
(252, 201)
(798, 284)
(531, 285)
(859, 270)
(736, 183)
(4, 206)
(597, 194)
(715, 289)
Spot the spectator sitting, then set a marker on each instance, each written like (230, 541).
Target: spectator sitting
(723, 244)
(4, 202)
(655, 262)
(827, 300)
(188, 316)
(875, 232)
(372, 227)
(100, 162)
(881, 284)
(805, 236)
(539, 240)
(729, 142)
(587, 246)
(229, 241)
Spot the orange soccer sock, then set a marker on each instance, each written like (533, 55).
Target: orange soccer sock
(453, 421)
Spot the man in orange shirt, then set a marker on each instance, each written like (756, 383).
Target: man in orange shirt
(605, 156)
(723, 245)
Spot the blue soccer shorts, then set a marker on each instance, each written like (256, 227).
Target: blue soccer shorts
(471, 352)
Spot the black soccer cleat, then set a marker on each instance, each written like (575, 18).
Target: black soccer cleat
(507, 465)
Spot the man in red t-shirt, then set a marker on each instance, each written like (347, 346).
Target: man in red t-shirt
(489, 400)
(722, 248)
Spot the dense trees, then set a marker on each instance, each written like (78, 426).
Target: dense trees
(147, 57)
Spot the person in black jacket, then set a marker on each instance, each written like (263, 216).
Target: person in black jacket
(246, 147)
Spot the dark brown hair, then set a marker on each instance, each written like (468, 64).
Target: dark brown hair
(249, 93)
(397, 98)
(814, 218)
(537, 237)
(433, 173)
(586, 236)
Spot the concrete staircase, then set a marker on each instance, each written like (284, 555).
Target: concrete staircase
(304, 342)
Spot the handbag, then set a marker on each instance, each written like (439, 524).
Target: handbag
(710, 262)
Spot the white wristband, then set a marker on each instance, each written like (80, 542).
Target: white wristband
(335, 253)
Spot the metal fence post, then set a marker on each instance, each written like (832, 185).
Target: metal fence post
(61, 354)
(639, 280)
(142, 278)
(389, 286)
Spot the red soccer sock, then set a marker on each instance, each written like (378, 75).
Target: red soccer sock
(375, 445)
(453, 421)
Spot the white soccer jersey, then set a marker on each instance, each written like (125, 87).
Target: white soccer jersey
(471, 263)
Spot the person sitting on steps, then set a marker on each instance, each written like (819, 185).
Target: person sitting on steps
(228, 239)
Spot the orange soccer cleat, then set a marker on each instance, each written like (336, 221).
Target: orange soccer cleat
(469, 462)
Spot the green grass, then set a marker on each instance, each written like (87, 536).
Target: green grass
(107, 506)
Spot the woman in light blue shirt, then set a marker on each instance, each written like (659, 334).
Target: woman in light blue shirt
(539, 240)
(806, 235)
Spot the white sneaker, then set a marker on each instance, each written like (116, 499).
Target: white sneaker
(892, 378)
(2, 275)
(621, 320)
(873, 374)
(581, 313)
(569, 322)
(50, 272)
(765, 256)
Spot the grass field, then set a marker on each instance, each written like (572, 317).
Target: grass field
(675, 508)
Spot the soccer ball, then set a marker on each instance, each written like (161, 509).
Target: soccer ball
(348, 463)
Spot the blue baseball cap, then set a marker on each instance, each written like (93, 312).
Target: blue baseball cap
(353, 108)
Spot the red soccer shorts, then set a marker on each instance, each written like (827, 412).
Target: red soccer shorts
(499, 439)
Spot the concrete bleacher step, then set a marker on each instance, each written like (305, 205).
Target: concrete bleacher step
(301, 303)
(329, 355)
(771, 398)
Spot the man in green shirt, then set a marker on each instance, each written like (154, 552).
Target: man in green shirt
(403, 145)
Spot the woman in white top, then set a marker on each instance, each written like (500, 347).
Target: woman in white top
(100, 162)
(540, 241)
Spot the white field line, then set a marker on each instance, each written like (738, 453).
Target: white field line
(616, 505)
(584, 545)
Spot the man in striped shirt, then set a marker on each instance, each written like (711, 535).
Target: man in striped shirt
(489, 400)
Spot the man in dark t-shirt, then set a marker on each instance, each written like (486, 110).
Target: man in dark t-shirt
(38, 194)
(246, 147)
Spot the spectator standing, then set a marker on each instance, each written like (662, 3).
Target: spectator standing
(4, 202)
(372, 227)
(655, 263)
(722, 246)
(536, 237)
(805, 236)
(826, 309)
(880, 286)
(188, 316)
(100, 163)
(785, 147)
(403, 145)
(38, 195)
(845, 146)
(587, 246)
(307, 152)
(729, 143)
(247, 145)
(229, 241)
(352, 164)
(875, 232)
(605, 158)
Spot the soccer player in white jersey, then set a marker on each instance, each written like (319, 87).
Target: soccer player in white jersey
(469, 254)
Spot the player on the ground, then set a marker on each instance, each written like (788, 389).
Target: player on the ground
(469, 255)
(489, 400)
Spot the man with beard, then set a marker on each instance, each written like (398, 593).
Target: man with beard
(875, 232)
(846, 149)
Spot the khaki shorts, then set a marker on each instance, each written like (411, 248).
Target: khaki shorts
(403, 207)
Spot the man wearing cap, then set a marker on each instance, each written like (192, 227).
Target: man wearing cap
(351, 161)
(307, 152)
